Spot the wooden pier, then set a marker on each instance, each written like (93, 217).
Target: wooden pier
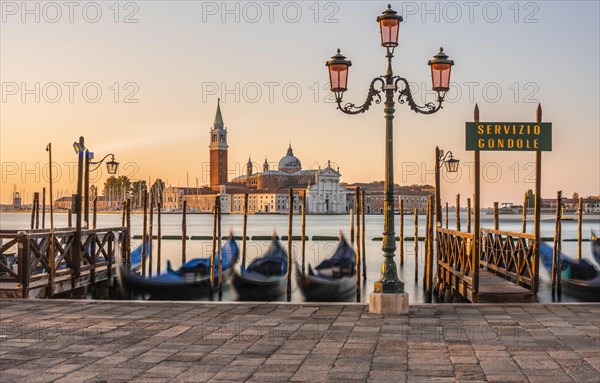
(78, 262)
(503, 271)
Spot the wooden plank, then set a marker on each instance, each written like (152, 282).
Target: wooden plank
(455, 233)
(508, 233)
(493, 289)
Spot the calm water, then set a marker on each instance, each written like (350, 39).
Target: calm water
(201, 224)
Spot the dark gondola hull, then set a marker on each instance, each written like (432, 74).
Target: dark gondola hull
(315, 289)
(588, 290)
(253, 287)
(191, 281)
(183, 288)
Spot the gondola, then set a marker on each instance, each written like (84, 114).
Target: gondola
(190, 281)
(136, 257)
(578, 277)
(596, 247)
(265, 277)
(332, 280)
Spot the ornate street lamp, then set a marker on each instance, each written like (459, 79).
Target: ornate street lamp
(338, 74)
(389, 24)
(441, 68)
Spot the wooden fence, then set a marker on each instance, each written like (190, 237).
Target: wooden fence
(77, 262)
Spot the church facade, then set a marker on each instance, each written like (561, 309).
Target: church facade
(324, 194)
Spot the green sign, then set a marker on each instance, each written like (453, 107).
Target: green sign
(509, 136)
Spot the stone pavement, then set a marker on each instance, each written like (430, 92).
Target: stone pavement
(110, 341)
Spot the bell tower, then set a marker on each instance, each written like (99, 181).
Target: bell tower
(218, 150)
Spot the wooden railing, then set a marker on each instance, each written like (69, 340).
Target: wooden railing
(509, 255)
(74, 267)
(455, 262)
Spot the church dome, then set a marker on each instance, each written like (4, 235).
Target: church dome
(290, 163)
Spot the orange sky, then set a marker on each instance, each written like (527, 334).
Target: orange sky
(159, 80)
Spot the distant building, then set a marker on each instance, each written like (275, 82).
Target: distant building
(16, 201)
(324, 194)
(102, 203)
(589, 204)
(414, 197)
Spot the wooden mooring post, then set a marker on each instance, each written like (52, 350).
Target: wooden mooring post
(352, 226)
(158, 237)
(43, 208)
(537, 209)
(468, 215)
(427, 270)
(357, 206)
(52, 254)
(496, 220)
(401, 231)
(524, 213)
(303, 230)
(128, 239)
(416, 242)
(94, 212)
(219, 252)
(357, 252)
(69, 218)
(34, 210)
(430, 228)
(289, 255)
(213, 248)
(363, 231)
(244, 231)
(150, 232)
(579, 222)
(556, 249)
(184, 233)
(144, 231)
(426, 266)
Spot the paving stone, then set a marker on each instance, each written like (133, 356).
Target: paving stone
(191, 342)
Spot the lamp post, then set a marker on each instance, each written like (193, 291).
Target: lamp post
(80, 150)
(389, 23)
(451, 167)
(111, 167)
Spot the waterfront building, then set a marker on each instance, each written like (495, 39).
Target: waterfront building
(414, 197)
(102, 203)
(324, 194)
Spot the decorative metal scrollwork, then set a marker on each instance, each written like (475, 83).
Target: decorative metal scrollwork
(406, 96)
(373, 95)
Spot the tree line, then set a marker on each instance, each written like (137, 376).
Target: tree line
(121, 188)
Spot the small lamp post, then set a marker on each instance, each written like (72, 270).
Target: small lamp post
(451, 164)
(111, 167)
(388, 295)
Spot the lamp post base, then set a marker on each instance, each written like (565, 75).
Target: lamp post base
(382, 303)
